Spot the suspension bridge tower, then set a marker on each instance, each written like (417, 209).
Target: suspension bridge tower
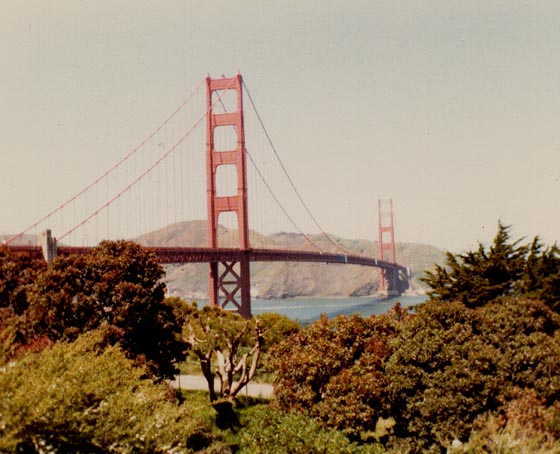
(229, 281)
(386, 249)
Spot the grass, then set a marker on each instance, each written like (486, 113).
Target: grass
(200, 404)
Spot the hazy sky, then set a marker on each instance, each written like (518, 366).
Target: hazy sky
(452, 108)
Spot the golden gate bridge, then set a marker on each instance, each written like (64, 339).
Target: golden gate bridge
(229, 278)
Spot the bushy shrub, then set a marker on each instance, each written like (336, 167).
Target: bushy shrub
(441, 374)
(526, 336)
(73, 398)
(276, 328)
(116, 283)
(332, 370)
(269, 431)
(16, 273)
(524, 425)
(451, 364)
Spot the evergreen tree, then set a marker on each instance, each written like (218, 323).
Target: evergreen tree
(479, 276)
(505, 268)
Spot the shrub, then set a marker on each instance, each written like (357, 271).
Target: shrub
(441, 374)
(524, 426)
(116, 283)
(72, 398)
(276, 328)
(451, 364)
(269, 431)
(16, 273)
(332, 370)
(526, 335)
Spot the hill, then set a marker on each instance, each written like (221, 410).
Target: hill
(284, 280)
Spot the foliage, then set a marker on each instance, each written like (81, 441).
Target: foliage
(526, 335)
(477, 277)
(117, 283)
(524, 425)
(16, 273)
(73, 398)
(541, 279)
(530, 411)
(227, 346)
(269, 431)
(332, 370)
(505, 268)
(452, 364)
(441, 374)
(276, 328)
(511, 439)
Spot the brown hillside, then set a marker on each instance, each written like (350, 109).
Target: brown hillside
(282, 280)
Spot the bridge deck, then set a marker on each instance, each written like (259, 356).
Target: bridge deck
(202, 255)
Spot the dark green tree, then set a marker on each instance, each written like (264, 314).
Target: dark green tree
(541, 277)
(479, 276)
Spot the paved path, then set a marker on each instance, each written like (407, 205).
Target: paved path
(198, 382)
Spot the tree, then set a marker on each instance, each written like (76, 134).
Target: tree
(227, 346)
(541, 278)
(479, 276)
(76, 397)
(505, 268)
(16, 273)
(117, 283)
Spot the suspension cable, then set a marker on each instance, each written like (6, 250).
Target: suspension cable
(136, 180)
(285, 170)
(267, 185)
(125, 158)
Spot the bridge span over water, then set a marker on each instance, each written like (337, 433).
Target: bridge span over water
(229, 268)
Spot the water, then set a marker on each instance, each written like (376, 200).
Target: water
(306, 310)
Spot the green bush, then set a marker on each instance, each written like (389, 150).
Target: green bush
(441, 375)
(451, 364)
(526, 336)
(269, 431)
(524, 425)
(276, 328)
(73, 398)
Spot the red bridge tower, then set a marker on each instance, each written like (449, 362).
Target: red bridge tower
(228, 280)
(386, 247)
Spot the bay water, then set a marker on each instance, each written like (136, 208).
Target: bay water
(307, 310)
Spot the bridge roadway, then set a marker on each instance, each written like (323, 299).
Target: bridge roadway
(202, 255)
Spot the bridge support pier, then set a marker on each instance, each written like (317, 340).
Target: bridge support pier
(231, 281)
